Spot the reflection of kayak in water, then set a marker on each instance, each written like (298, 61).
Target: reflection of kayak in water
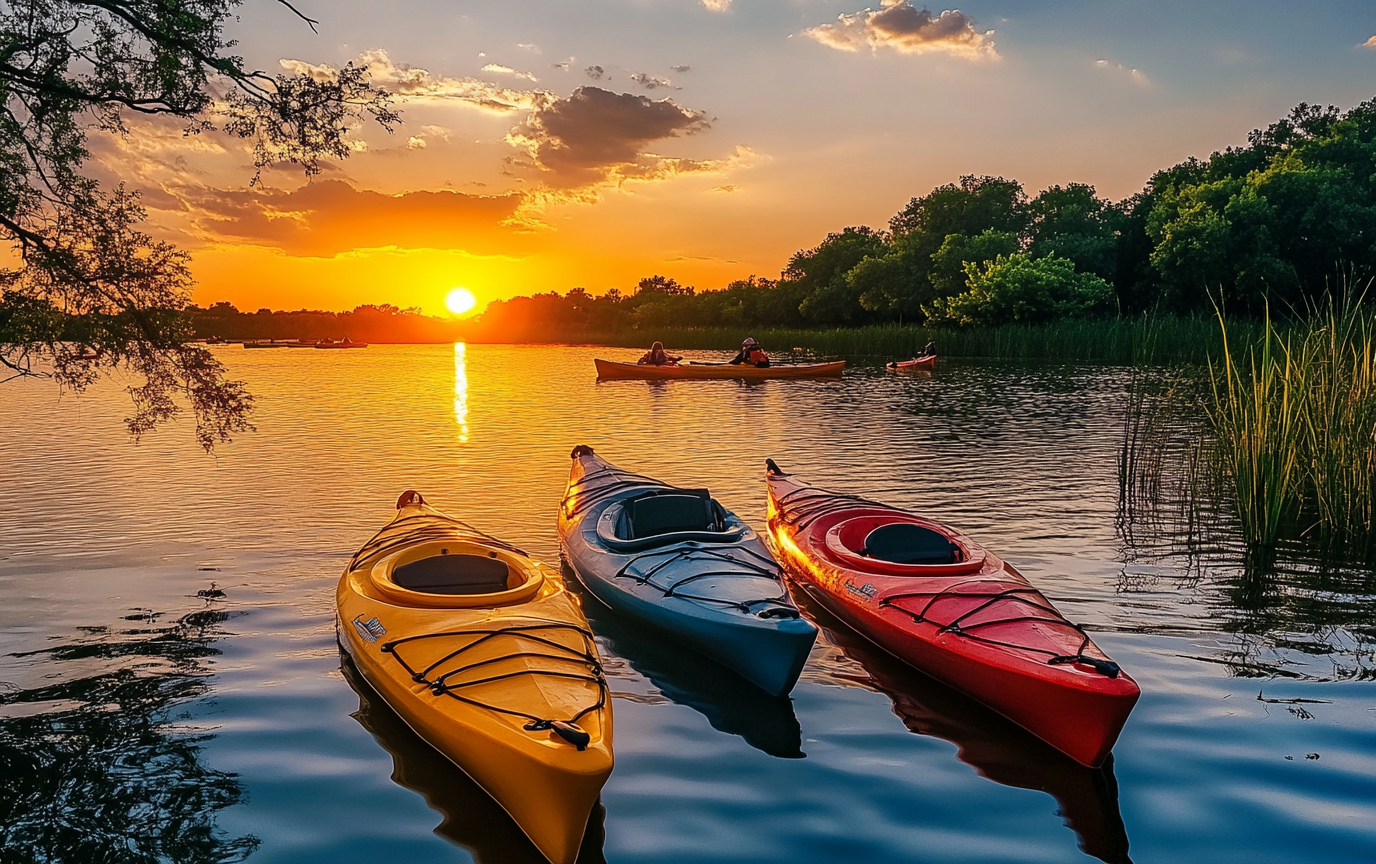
(996, 748)
(471, 818)
(729, 703)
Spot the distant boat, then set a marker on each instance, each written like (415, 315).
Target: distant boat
(264, 343)
(927, 361)
(343, 343)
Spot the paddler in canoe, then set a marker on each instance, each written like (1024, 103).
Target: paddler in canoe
(657, 356)
(751, 354)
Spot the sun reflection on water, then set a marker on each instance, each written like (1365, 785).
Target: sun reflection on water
(461, 390)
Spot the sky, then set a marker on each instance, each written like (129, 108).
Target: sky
(553, 145)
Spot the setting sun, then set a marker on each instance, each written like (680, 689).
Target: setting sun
(460, 300)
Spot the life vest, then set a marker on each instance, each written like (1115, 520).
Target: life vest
(756, 356)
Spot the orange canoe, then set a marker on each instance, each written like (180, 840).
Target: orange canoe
(612, 369)
(928, 362)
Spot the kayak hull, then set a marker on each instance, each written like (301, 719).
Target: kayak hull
(608, 369)
(976, 625)
(719, 593)
(510, 659)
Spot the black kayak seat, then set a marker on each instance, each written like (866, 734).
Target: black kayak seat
(453, 574)
(670, 513)
(906, 543)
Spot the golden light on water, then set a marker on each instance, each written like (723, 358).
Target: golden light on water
(460, 300)
(461, 389)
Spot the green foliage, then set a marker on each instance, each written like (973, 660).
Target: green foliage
(1020, 288)
(949, 263)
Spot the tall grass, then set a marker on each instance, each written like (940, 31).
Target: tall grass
(1294, 421)
(1145, 340)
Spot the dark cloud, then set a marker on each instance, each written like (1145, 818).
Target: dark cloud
(680, 69)
(595, 135)
(650, 82)
(595, 72)
(906, 29)
(329, 217)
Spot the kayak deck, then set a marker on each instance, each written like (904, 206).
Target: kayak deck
(610, 369)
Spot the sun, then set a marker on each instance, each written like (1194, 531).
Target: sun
(460, 300)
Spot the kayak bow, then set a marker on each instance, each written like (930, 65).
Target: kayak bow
(940, 602)
(486, 655)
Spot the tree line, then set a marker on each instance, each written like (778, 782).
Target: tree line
(1275, 223)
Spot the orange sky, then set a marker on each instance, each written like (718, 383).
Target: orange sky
(545, 147)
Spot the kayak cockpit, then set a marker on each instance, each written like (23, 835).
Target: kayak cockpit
(455, 573)
(661, 517)
(899, 545)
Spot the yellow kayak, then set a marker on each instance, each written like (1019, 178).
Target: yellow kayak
(487, 656)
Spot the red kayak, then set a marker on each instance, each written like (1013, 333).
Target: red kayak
(928, 362)
(940, 602)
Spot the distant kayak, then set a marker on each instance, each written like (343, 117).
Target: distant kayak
(487, 656)
(612, 369)
(928, 362)
(265, 343)
(679, 561)
(343, 343)
(938, 601)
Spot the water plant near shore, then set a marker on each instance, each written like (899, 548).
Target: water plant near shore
(1278, 432)
(1297, 428)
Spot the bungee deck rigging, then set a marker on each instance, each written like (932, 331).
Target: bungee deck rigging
(443, 685)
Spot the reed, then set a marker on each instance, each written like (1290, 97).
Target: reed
(1294, 422)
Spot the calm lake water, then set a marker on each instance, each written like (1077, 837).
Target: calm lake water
(141, 722)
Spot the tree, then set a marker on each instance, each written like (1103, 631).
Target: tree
(1022, 289)
(819, 275)
(93, 292)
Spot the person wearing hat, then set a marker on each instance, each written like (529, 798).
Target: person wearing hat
(657, 356)
(751, 354)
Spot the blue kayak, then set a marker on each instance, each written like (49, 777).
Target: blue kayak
(677, 559)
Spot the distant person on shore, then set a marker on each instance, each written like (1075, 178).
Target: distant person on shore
(657, 356)
(927, 350)
(751, 354)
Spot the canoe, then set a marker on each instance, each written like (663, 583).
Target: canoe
(676, 559)
(928, 362)
(613, 370)
(264, 343)
(487, 656)
(940, 602)
(330, 343)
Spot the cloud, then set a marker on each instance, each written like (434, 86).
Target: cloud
(908, 30)
(1137, 75)
(413, 83)
(564, 66)
(595, 72)
(717, 5)
(595, 135)
(330, 217)
(681, 69)
(1370, 43)
(507, 70)
(650, 82)
(529, 46)
(414, 143)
